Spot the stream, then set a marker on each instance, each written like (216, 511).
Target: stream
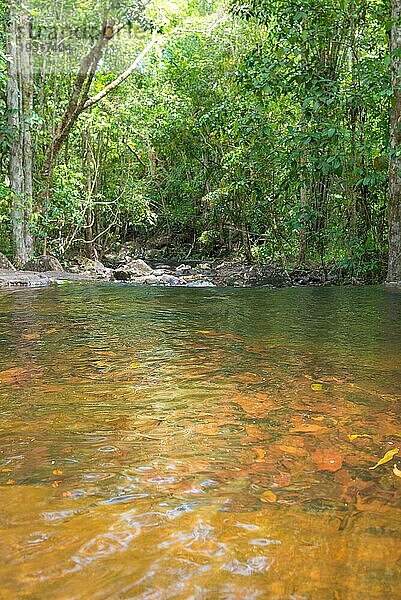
(204, 443)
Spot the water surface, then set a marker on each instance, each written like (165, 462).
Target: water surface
(200, 443)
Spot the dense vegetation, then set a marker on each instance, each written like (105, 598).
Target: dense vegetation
(256, 130)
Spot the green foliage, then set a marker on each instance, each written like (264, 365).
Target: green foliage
(262, 132)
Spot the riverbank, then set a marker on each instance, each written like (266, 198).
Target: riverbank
(46, 270)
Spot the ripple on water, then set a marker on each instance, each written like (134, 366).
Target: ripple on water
(103, 546)
(257, 564)
(160, 469)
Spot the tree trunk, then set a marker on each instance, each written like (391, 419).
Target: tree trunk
(20, 106)
(394, 207)
(80, 101)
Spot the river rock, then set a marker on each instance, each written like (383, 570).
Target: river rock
(92, 268)
(243, 275)
(183, 269)
(5, 263)
(200, 283)
(170, 280)
(146, 280)
(159, 272)
(135, 268)
(42, 264)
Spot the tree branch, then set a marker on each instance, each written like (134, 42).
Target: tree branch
(114, 84)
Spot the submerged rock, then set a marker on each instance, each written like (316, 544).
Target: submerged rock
(41, 264)
(5, 263)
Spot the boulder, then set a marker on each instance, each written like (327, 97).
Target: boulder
(5, 263)
(243, 275)
(135, 268)
(92, 268)
(43, 264)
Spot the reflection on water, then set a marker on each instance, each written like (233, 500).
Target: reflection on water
(174, 443)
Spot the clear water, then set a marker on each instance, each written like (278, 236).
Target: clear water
(195, 444)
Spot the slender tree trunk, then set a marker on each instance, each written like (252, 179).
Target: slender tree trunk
(303, 196)
(20, 106)
(394, 207)
(80, 101)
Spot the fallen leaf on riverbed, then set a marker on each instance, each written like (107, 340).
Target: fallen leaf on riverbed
(57, 472)
(257, 405)
(260, 454)
(386, 458)
(134, 365)
(375, 506)
(30, 336)
(327, 460)
(15, 375)
(396, 471)
(354, 436)
(316, 387)
(309, 428)
(268, 496)
(205, 332)
(248, 377)
(294, 450)
(10, 482)
(6, 470)
(207, 428)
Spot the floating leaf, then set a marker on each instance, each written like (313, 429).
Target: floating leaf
(6, 470)
(66, 494)
(57, 472)
(205, 331)
(396, 471)
(134, 365)
(316, 387)
(268, 496)
(386, 458)
(10, 482)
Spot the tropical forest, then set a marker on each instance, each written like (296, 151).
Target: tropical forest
(200, 299)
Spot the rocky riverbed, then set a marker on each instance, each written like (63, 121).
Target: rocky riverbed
(47, 270)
